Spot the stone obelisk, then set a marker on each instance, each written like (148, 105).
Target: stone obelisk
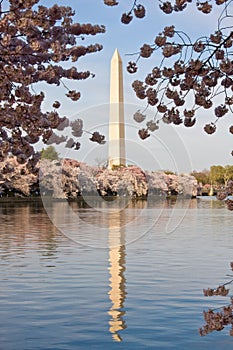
(116, 151)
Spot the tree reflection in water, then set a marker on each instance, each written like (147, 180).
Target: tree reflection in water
(26, 225)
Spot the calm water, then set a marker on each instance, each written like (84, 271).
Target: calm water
(113, 279)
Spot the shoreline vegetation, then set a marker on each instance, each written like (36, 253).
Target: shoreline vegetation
(70, 179)
(73, 180)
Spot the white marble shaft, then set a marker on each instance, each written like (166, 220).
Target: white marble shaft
(116, 152)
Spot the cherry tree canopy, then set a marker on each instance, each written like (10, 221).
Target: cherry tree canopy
(193, 75)
(40, 44)
(35, 41)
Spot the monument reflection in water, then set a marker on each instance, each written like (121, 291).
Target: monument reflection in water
(110, 225)
(112, 222)
(117, 255)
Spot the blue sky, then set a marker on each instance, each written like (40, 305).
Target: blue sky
(157, 151)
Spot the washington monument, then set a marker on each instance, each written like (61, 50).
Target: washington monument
(116, 151)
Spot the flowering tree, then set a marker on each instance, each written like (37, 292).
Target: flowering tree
(219, 318)
(35, 41)
(192, 75)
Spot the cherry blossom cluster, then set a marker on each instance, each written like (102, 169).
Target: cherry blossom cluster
(176, 5)
(229, 203)
(221, 290)
(34, 43)
(217, 321)
(136, 10)
(224, 193)
(193, 75)
(179, 5)
(179, 91)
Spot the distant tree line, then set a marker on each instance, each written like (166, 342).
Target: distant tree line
(216, 175)
(49, 153)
